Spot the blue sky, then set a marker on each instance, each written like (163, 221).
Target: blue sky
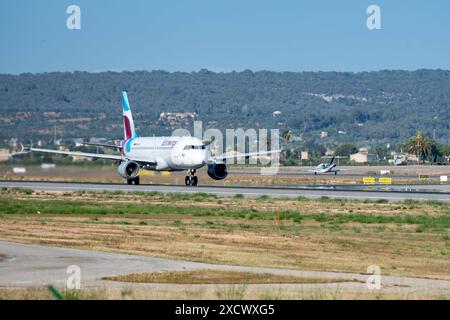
(223, 35)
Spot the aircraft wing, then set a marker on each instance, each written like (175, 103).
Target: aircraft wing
(93, 155)
(247, 155)
(15, 154)
(79, 154)
(105, 145)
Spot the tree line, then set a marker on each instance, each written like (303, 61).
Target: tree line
(366, 109)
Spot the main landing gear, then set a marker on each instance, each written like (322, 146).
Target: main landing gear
(135, 180)
(191, 179)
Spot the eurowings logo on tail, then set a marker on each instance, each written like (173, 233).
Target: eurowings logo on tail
(128, 124)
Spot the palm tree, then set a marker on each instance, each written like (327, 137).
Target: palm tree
(420, 146)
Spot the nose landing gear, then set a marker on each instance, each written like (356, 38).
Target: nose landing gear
(191, 179)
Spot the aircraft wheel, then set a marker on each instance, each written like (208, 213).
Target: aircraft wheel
(335, 173)
(130, 181)
(137, 180)
(315, 173)
(191, 180)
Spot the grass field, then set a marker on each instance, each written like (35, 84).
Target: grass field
(407, 239)
(229, 292)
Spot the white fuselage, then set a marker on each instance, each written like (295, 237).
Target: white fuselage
(170, 153)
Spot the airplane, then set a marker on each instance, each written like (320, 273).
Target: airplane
(326, 167)
(400, 160)
(157, 153)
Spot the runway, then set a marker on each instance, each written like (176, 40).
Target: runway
(26, 265)
(361, 192)
(342, 175)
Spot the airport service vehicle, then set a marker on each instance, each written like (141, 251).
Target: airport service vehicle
(329, 167)
(158, 153)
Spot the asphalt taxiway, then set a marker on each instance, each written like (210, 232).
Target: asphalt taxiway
(27, 265)
(361, 192)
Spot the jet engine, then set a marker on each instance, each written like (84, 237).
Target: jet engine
(217, 171)
(129, 169)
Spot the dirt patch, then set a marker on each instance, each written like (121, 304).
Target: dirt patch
(218, 277)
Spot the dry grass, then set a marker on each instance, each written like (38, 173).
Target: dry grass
(208, 276)
(187, 292)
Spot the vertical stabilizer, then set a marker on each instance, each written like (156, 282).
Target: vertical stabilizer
(128, 124)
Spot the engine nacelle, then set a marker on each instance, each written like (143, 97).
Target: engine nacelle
(217, 171)
(129, 169)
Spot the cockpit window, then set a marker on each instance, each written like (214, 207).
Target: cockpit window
(192, 147)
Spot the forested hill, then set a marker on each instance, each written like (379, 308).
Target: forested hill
(366, 108)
